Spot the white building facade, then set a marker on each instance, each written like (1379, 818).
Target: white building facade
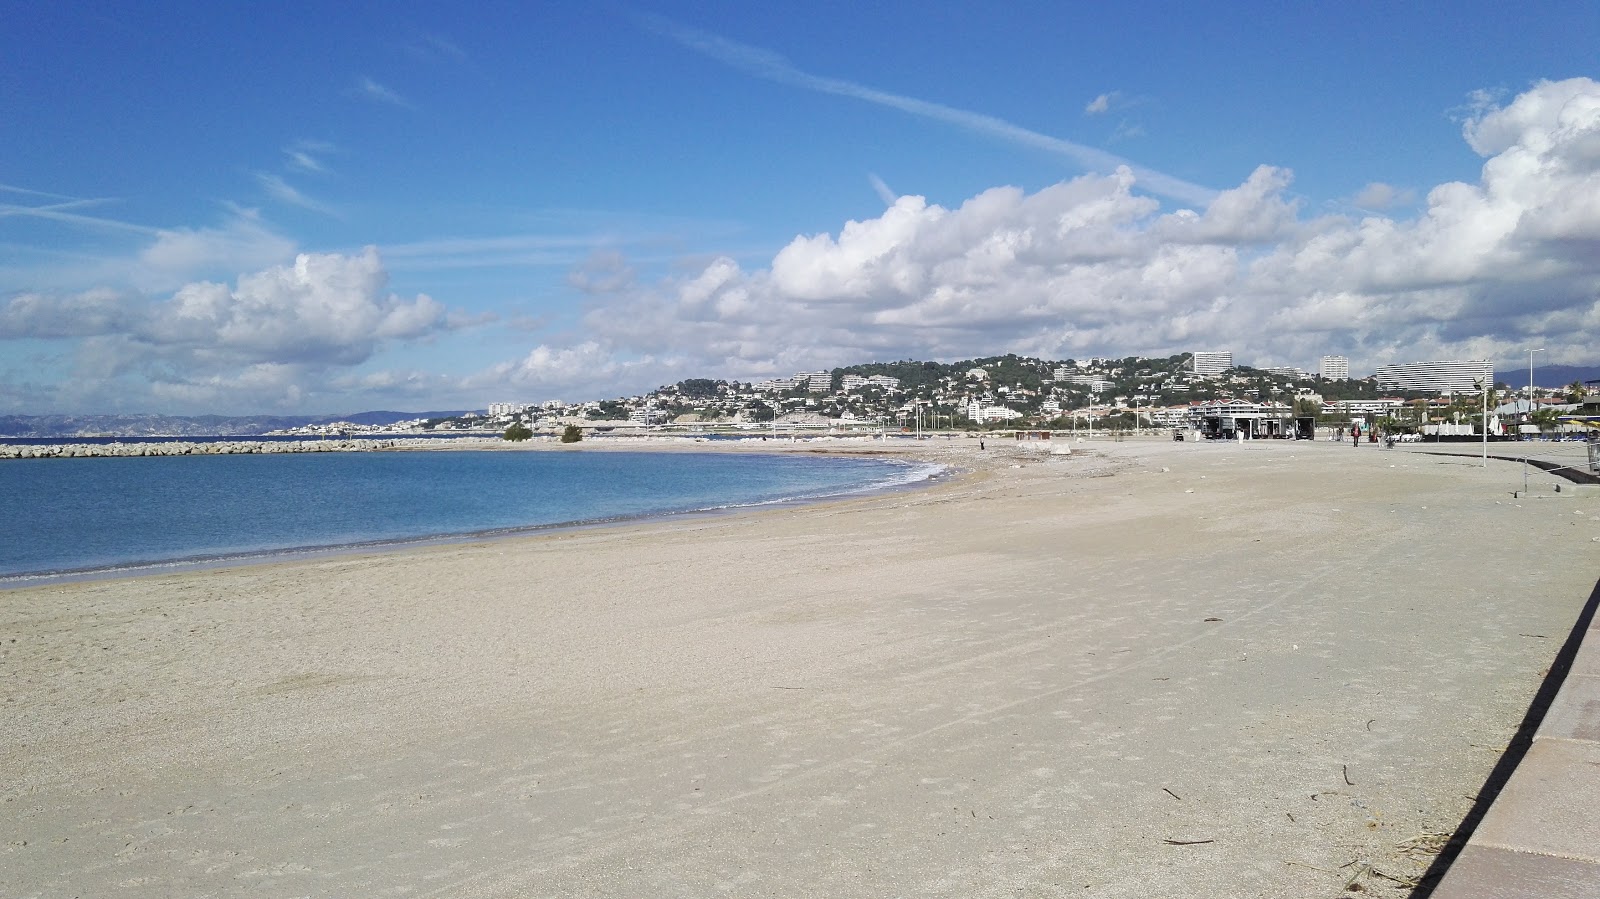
(1446, 376)
(1207, 365)
(1336, 368)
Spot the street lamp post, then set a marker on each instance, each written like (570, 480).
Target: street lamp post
(1486, 422)
(1530, 417)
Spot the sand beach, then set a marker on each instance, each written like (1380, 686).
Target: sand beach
(1146, 668)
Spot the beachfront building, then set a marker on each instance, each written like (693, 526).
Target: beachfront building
(979, 412)
(1335, 368)
(1227, 419)
(1168, 416)
(1212, 364)
(1448, 376)
(1379, 407)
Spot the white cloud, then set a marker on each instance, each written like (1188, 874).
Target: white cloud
(178, 255)
(1378, 196)
(368, 89)
(327, 308)
(1101, 104)
(1088, 267)
(881, 188)
(277, 338)
(308, 156)
(285, 192)
(1085, 267)
(45, 316)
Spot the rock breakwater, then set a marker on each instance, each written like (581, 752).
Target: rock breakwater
(229, 447)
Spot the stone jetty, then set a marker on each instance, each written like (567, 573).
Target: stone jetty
(230, 447)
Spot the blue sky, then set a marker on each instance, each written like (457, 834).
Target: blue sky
(293, 208)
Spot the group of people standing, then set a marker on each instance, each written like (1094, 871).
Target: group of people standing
(1355, 434)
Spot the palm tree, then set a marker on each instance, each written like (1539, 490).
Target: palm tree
(1545, 419)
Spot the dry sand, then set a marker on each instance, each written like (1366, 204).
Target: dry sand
(1145, 669)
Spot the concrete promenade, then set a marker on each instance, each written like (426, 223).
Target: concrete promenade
(1536, 832)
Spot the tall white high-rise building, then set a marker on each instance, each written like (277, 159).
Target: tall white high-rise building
(1209, 364)
(1336, 368)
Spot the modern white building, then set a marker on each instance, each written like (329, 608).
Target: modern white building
(815, 381)
(856, 382)
(1336, 368)
(1095, 383)
(1447, 376)
(979, 412)
(1211, 364)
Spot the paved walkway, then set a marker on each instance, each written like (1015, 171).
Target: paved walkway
(1537, 834)
(1540, 836)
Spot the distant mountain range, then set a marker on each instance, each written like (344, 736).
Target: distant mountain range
(1546, 375)
(56, 426)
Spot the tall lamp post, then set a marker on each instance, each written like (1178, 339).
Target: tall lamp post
(1486, 381)
(1530, 416)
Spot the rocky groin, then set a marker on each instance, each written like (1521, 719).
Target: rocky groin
(226, 447)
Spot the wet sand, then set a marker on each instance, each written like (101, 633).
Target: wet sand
(1144, 669)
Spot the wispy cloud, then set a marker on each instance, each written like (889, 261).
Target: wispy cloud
(65, 213)
(766, 64)
(307, 156)
(13, 189)
(428, 46)
(1101, 104)
(368, 89)
(884, 193)
(284, 192)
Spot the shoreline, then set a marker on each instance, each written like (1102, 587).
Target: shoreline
(937, 471)
(1145, 669)
(203, 562)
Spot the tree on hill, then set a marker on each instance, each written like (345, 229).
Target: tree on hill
(572, 434)
(700, 388)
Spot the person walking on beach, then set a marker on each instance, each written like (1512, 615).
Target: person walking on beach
(1355, 434)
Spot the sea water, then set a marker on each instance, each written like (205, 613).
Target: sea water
(82, 516)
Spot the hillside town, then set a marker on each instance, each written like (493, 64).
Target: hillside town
(1187, 390)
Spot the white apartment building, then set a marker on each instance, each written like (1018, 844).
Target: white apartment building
(1446, 376)
(1210, 364)
(498, 409)
(1336, 368)
(980, 413)
(855, 382)
(815, 381)
(1095, 383)
(1364, 407)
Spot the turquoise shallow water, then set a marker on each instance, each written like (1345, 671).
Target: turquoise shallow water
(71, 516)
